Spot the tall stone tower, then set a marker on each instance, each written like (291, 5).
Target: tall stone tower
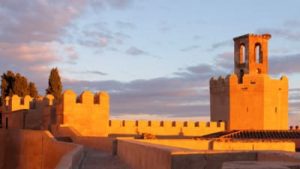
(249, 98)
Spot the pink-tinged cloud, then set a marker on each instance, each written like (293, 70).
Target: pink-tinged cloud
(37, 20)
(32, 33)
(36, 53)
(34, 60)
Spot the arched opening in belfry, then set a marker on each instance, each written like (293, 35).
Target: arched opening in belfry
(258, 53)
(242, 53)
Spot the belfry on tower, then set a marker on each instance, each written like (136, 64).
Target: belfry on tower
(249, 98)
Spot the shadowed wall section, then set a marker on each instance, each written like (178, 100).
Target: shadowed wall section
(27, 113)
(27, 149)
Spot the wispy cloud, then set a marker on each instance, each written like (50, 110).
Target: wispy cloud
(224, 61)
(185, 94)
(285, 64)
(190, 48)
(282, 32)
(289, 30)
(125, 25)
(221, 44)
(95, 72)
(135, 51)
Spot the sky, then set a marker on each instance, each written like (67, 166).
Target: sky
(155, 58)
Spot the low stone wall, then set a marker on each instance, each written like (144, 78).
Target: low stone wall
(148, 154)
(29, 149)
(99, 143)
(140, 155)
(72, 159)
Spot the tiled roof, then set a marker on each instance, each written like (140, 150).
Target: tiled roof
(257, 134)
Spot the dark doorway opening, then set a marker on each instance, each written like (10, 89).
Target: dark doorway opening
(241, 76)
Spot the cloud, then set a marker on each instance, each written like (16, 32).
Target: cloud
(32, 34)
(135, 51)
(36, 20)
(197, 37)
(286, 33)
(98, 35)
(85, 73)
(117, 4)
(184, 95)
(189, 48)
(224, 61)
(96, 72)
(292, 23)
(33, 60)
(34, 53)
(221, 44)
(285, 64)
(125, 25)
(72, 55)
(294, 106)
(280, 64)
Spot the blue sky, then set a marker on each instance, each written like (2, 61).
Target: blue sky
(155, 57)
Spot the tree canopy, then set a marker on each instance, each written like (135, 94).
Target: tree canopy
(12, 83)
(54, 84)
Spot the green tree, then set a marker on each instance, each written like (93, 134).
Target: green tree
(20, 86)
(12, 83)
(8, 80)
(32, 90)
(54, 84)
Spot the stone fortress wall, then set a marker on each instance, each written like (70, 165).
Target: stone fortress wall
(88, 115)
(164, 128)
(27, 112)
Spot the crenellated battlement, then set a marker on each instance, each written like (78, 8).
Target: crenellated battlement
(87, 113)
(15, 103)
(221, 84)
(85, 98)
(165, 127)
(26, 112)
(219, 81)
